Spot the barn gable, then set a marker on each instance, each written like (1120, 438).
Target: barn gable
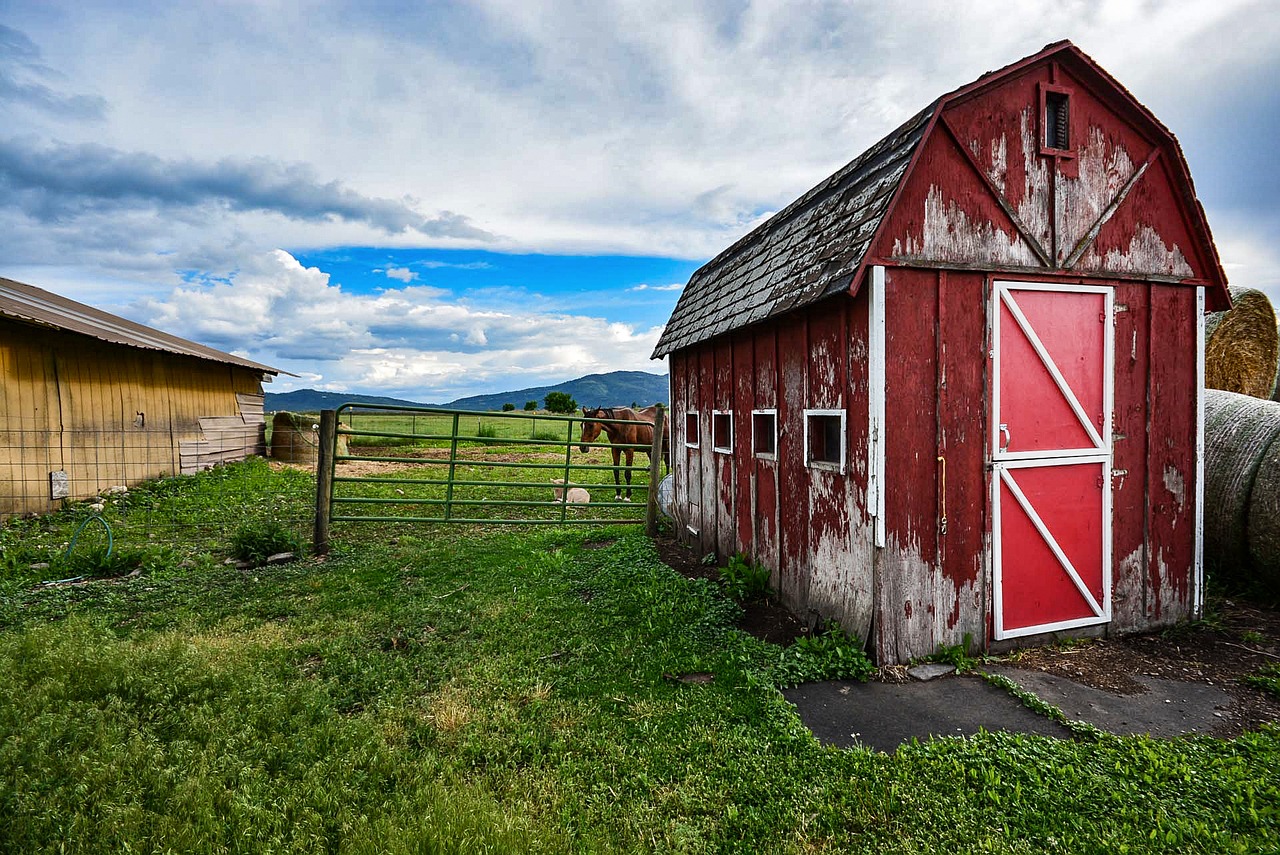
(1009, 202)
(1111, 196)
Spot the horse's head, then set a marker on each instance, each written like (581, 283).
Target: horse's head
(590, 429)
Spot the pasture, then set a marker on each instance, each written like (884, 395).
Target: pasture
(462, 689)
(496, 467)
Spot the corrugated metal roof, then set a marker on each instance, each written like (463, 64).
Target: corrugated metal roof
(807, 251)
(35, 305)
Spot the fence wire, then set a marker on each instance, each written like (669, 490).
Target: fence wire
(132, 481)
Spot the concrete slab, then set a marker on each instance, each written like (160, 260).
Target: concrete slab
(930, 671)
(1168, 708)
(881, 716)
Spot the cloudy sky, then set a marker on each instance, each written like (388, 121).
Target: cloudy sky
(436, 199)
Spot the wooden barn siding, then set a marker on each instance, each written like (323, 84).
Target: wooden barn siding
(808, 526)
(1171, 444)
(31, 448)
(71, 402)
(1129, 454)
(764, 473)
(932, 588)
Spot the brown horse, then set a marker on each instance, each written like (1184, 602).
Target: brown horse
(628, 429)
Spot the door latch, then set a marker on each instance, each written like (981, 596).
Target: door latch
(1008, 438)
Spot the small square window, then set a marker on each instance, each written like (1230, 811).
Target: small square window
(824, 439)
(764, 433)
(691, 430)
(722, 431)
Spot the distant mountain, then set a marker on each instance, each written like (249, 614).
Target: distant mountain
(312, 401)
(615, 389)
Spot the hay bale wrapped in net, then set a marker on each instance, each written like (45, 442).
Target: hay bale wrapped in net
(1240, 434)
(294, 439)
(1242, 346)
(1264, 520)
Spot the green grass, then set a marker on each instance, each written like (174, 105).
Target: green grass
(461, 690)
(432, 430)
(1267, 679)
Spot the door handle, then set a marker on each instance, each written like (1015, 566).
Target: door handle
(1008, 438)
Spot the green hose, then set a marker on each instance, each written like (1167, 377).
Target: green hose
(111, 543)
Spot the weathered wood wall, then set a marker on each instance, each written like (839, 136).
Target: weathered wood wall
(983, 199)
(809, 526)
(929, 585)
(111, 415)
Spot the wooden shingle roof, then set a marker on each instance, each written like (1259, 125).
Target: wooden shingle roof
(809, 250)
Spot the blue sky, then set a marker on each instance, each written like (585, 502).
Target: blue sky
(437, 199)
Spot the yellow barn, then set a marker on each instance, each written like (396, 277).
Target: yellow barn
(91, 401)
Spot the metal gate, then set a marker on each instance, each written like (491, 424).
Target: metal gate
(1051, 453)
(434, 465)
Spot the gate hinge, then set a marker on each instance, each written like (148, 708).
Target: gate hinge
(1119, 473)
(1120, 307)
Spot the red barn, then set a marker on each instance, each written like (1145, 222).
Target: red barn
(954, 389)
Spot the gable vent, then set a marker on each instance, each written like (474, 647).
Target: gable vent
(1057, 120)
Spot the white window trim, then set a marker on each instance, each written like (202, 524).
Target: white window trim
(876, 394)
(721, 449)
(825, 464)
(765, 455)
(697, 437)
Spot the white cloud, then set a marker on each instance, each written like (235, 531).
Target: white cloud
(407, 341)
(404, 274)
(674, 286)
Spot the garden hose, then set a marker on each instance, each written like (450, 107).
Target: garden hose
(111, 543)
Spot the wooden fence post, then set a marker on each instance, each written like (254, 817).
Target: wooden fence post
(324, 480)
(655, 468)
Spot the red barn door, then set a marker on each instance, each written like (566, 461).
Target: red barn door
(1051, 455)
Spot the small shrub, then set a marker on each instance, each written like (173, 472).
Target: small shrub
(485, 431)
(956, 654)
(744, 581)
(548, 435)
(832, 655)
(256, 542)
(506, 408)
(98, 562)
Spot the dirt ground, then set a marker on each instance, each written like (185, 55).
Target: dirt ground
(1234, 640)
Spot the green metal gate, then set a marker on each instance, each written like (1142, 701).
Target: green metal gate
(434, 465)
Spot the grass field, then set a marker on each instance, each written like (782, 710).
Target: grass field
(459, 690)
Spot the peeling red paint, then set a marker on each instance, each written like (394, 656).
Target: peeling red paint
(982, 201)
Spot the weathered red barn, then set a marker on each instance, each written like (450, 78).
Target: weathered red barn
(954, 389)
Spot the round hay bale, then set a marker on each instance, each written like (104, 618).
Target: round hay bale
(1264, 520)
(293, 439)
(1238, 433)
(1242, 346)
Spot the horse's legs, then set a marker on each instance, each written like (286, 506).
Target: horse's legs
(631, 456)
(617, 490)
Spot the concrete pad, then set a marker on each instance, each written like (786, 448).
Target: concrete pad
(1168, 707)
(930, 671)
(881, 716)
